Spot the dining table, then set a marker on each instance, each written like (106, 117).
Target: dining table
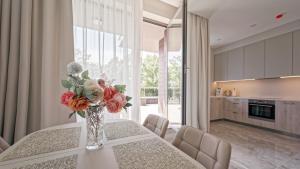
(127, 145)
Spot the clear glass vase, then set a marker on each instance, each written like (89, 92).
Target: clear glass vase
(94, 121)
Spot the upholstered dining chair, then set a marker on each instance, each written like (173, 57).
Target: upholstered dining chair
(156, 124)
(3, 145)
(210, 151)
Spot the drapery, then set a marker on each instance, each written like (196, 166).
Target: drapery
(107, 41)
(36, 43)
(198, 72)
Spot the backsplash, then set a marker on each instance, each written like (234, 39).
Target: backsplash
(279, 88)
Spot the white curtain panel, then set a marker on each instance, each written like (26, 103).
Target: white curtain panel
(198, 72)
(36, 43)
(107, 41)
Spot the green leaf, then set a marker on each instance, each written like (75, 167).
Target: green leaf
(81, 114)
(81, 82)
(120, 88)
(73, 88)
(128, 104)
(66, 84)
(128, 98)
(89, 94)
(85, 75)
(78, 91)
(71, 114)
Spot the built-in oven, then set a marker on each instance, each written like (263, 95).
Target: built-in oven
(262, 109)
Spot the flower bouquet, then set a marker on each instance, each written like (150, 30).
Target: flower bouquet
(88, 98)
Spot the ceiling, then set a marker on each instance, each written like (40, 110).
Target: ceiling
(233, 20)
(162, 11)
(160, 8)
(151, 36)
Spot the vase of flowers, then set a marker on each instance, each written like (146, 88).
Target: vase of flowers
(89, 98)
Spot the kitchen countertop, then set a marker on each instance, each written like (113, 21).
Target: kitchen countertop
(259, 98)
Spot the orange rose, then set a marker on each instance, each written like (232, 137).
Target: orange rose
(109, 93)
(77, 104)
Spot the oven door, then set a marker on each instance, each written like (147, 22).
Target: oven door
(266, 111)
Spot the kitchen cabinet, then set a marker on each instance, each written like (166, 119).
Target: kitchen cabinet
(221, 66)
(279, 56)
(254, 61)
(287, 113)
(288, 116)
(233, 109)
(236, 64)
(296, 53)
(216, 108)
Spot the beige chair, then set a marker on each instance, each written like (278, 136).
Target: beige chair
(156, 124)
(3, 145)
(210, 151)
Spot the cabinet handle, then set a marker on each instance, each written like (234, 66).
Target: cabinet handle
(236, 103)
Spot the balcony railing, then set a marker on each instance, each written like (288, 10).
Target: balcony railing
(149, 95)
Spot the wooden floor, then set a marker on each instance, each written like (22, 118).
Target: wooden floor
(254, 148)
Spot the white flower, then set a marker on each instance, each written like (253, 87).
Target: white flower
(91, 84)
(74, 68)
(94, 92)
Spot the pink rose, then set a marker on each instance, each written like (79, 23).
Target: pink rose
(113, 106)
(120, 98)
(65, 97)
(116, 103)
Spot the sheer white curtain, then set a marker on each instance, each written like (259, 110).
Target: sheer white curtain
(107, 40)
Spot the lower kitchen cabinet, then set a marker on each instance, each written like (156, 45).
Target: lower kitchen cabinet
(216, 108)
(288, 116)
(233, 109)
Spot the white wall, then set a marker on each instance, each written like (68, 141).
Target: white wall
(282, 88)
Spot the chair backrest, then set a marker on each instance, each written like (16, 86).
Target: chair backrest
(210, 151)
(3, 145)
(156, 124)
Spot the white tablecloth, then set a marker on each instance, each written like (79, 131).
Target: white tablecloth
(104, 158)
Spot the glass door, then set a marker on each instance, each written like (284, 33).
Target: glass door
(174, 69)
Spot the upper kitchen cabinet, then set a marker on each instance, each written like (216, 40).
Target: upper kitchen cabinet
(254, 61)
(236, 64)
(221, 66)
(296, 53)
(279, 56)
